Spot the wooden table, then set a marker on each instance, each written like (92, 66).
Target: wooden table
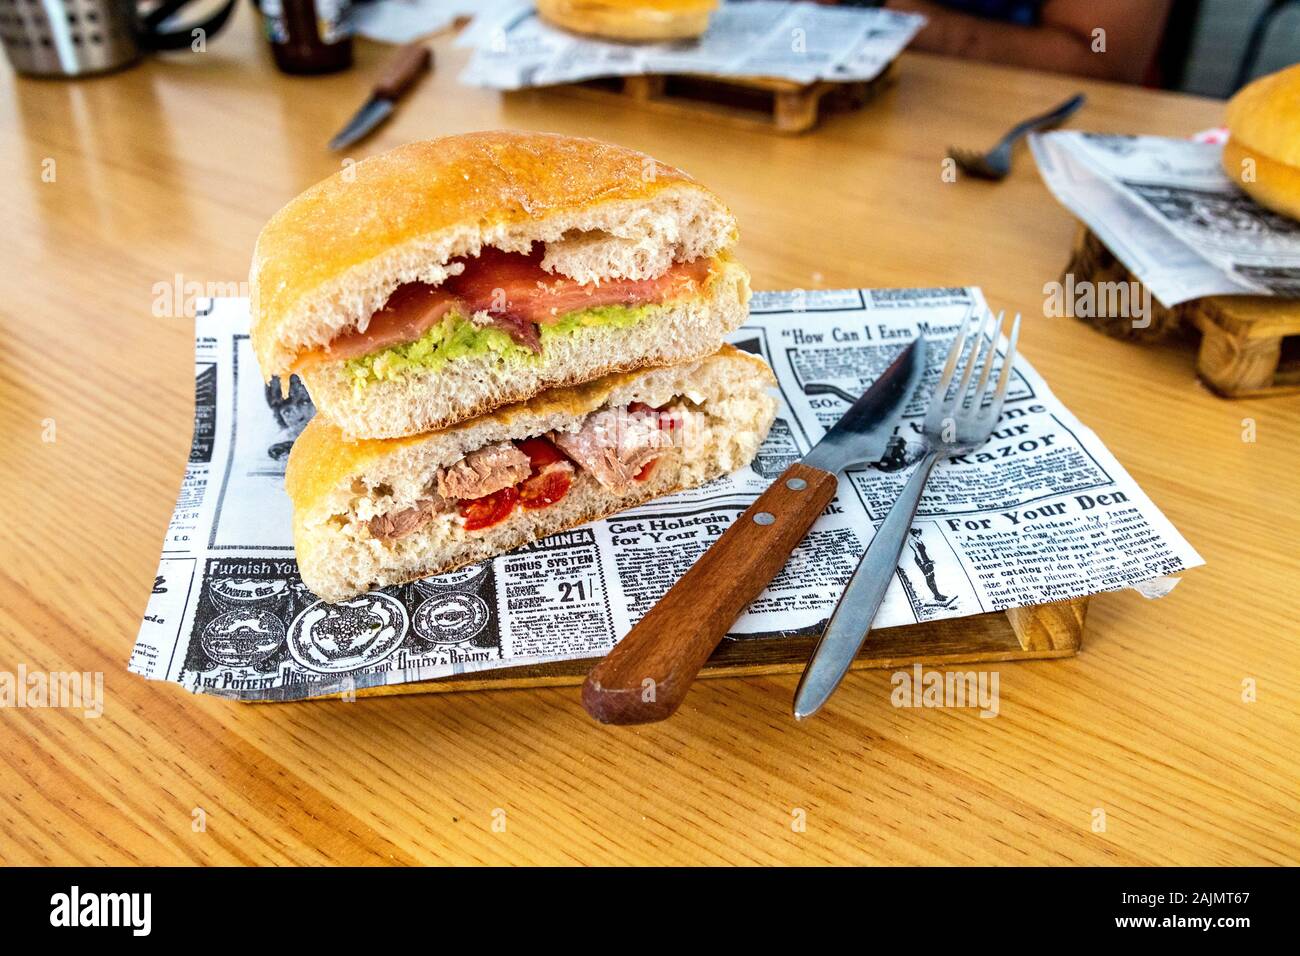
(172, 167)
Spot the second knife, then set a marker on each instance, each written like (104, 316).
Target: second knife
(646, 676)
(398, 75)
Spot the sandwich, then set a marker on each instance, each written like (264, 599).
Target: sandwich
(630, 19)
(445, 279)
(1262, 154)
(379, 512)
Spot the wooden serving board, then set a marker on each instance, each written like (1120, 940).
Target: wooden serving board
(751, 102)
(1023, 634)
(1250, 345)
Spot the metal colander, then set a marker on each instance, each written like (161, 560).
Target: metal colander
(68, 37)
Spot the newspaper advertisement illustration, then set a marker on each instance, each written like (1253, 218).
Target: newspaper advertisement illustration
(1042, 512)
(1166, 209)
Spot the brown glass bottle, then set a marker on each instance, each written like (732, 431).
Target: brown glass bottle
(307, 36)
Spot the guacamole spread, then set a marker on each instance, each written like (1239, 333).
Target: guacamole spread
(457, 337)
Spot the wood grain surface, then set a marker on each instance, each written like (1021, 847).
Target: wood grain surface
(169, 170)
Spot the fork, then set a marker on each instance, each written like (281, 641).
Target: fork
(996, 163)
(953, 426)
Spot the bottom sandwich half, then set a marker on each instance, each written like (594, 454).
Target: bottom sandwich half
(374, 513)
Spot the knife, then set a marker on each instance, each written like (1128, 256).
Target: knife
(399, 74)
(646, 676)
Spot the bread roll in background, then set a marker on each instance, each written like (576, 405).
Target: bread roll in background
(594, 218)
(1262, 154)
(633, 20)
(338, 488)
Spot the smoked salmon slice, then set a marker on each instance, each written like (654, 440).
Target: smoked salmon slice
(410, 311)
(516, 293)
(517, 285)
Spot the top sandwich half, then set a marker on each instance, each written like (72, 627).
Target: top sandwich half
(444, 279)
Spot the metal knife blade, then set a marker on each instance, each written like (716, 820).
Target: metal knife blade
(862, 433)
(397, 76)
(373, 112)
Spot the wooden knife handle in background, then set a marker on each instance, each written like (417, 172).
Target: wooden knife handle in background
(646, 676)
(402, 69)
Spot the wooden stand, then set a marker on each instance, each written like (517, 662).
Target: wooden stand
(1250, 345)
(752, 102)
(1023, 634)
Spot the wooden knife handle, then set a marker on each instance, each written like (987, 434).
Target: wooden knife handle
(646, 676)
(402, 69)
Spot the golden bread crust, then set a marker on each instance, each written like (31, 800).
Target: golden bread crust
(422, 189)
(1276, 186)
(1264, 116)
(630, 19)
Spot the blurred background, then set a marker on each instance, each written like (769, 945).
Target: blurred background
(1208, 47)
(1230, 42)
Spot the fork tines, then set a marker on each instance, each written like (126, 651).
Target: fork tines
(981, 355)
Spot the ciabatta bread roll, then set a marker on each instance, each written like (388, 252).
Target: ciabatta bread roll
(1262, 154)
(373, 513)
(445, 279)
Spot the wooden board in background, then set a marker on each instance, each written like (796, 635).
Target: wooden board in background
(1024, 634)
(748, 102)
(1250, 345)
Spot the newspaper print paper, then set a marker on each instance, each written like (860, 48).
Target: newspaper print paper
(1166, 209)
(514, 49)
(402, 21)
(1042, 513)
